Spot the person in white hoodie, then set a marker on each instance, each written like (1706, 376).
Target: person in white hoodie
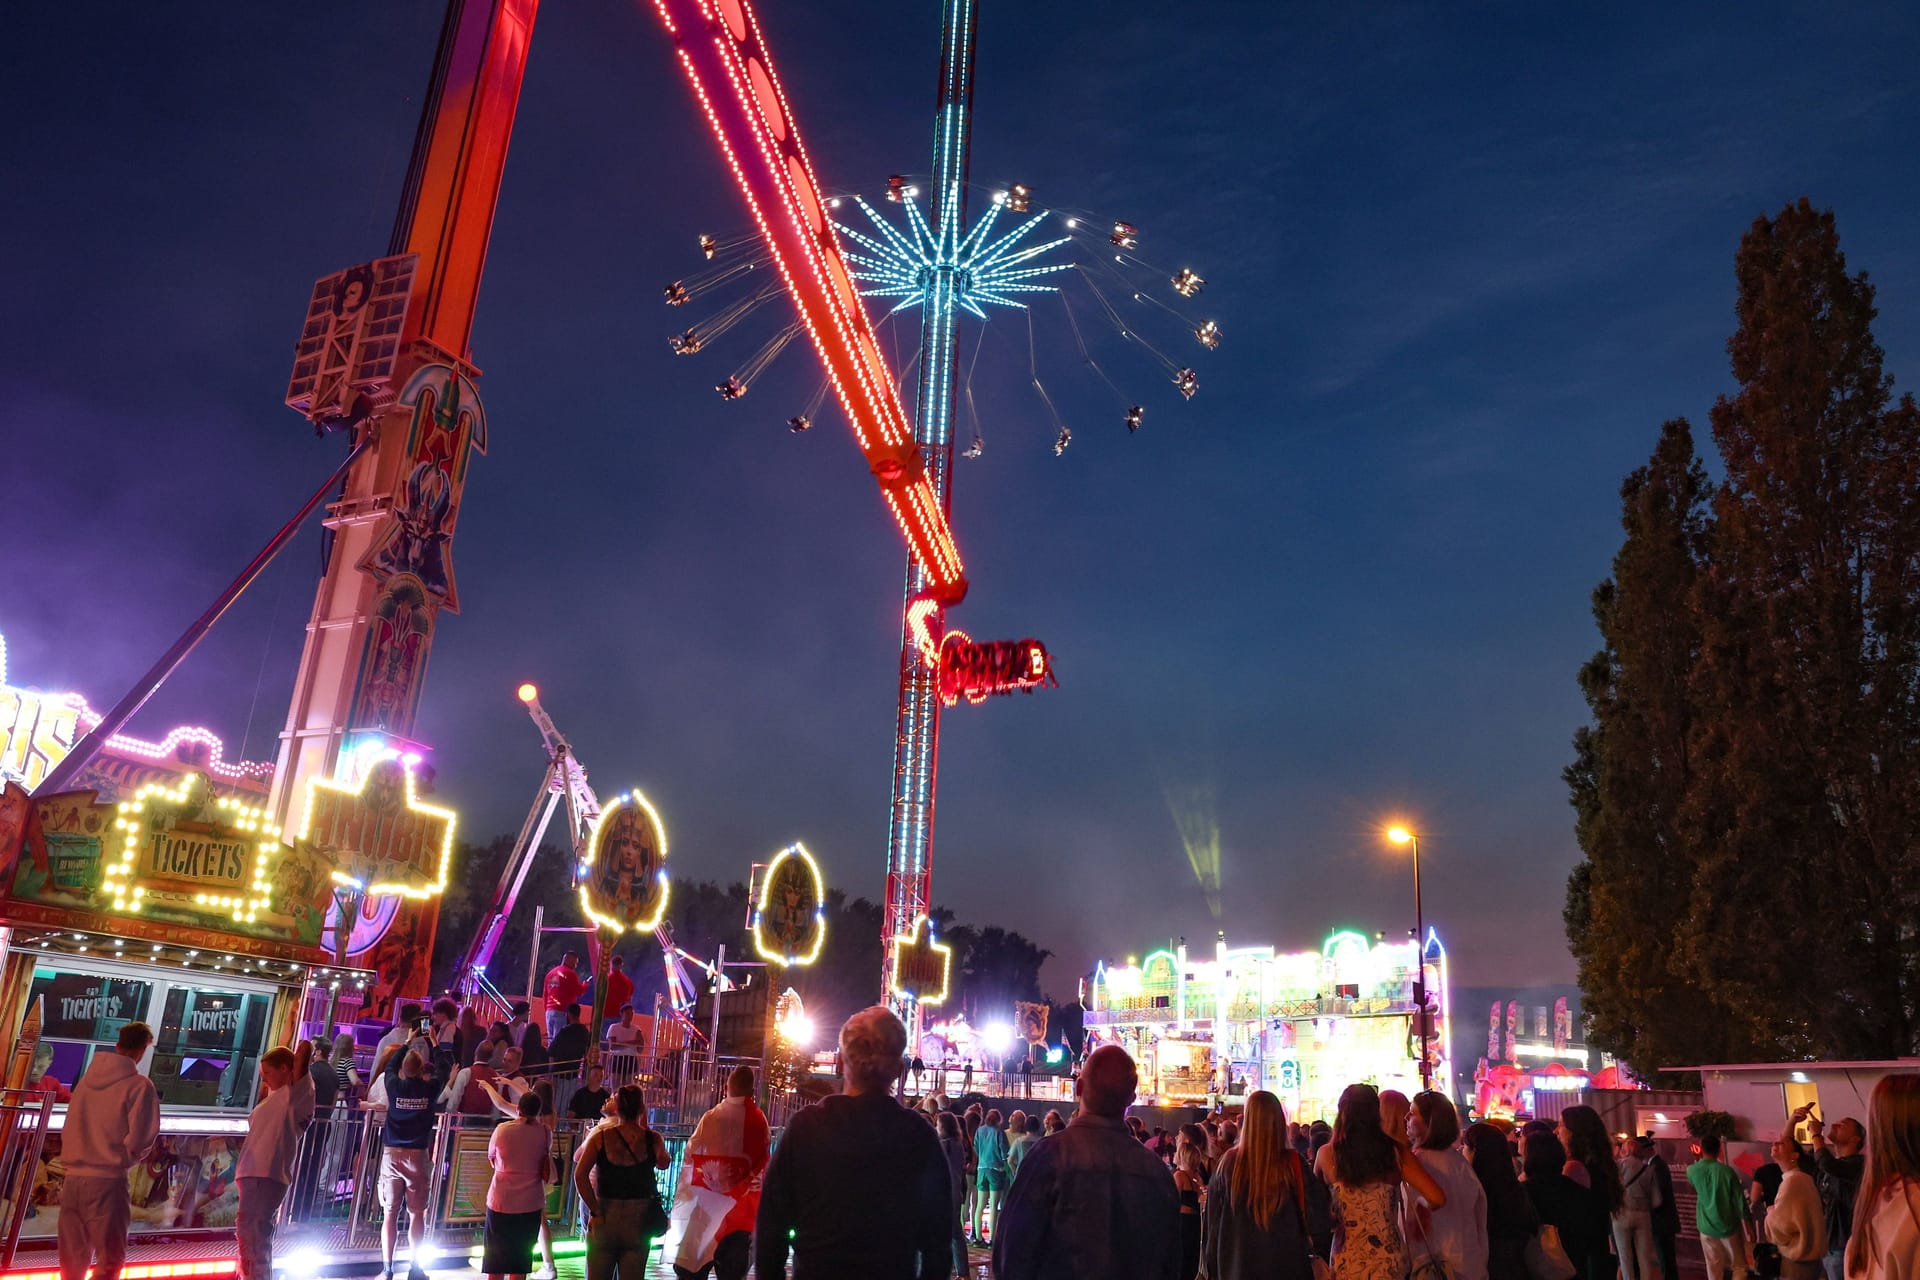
(266, 1161)
(1796, 1224)
(111, 1124)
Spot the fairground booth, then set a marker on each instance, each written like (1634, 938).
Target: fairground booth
(153, 888)
(1302, 1024)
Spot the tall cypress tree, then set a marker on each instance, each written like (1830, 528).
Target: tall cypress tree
(1805, 821)
(1748, 795)
(1632, 773)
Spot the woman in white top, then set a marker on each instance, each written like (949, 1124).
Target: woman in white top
(520, 1153)
(1454, 1234)
(1886, 1213)
(1795, 1221)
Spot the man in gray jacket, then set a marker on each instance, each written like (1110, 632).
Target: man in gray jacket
(111, 1124)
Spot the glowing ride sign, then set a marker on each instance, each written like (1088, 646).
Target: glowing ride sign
(975, 670)
(789, 926)
(623, 877)
(921, 966)
(187, 849)
(378, 834)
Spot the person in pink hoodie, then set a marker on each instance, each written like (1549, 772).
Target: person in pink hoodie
(112, 1122)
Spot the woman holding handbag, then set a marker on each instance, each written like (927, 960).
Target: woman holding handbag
(1256, 1214)
(614, 1175)
(520, 1152)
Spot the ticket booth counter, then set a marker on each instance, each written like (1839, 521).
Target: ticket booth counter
(213, 1015)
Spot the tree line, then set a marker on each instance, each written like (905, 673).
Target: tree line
(992, 967)
(1746, 794)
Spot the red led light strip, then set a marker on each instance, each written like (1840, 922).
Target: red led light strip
(144, 1270)
(720, 46)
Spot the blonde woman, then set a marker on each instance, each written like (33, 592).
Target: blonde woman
(1256, 1218)
(1190, 1180)
(1886, 1214)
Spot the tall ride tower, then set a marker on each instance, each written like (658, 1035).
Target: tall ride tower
(916, 749)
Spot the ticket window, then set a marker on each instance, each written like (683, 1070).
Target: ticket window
(81, 1013)
(207, 1046)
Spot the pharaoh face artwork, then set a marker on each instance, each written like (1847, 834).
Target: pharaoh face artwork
(625, 879)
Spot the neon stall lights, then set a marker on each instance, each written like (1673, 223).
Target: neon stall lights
(38, 729)
(723, 52)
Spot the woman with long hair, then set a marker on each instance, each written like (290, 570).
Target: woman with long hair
(614, 1175)
(1366, 1167)
(1574, 1211)
(1190, 1180)
(1590, 1166)
(1510, 1217)
(1256, 1217)
(954, 1147)
(1455, 1234)
(1886, 1212)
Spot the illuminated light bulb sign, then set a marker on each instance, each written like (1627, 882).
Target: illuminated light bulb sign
(377, 834)
(184, 849)
(37, 730)
(623, 878)
(921, 966)
(724, 54)
(789, 924)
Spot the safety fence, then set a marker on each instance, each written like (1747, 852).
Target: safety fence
(334, 1201)
(23, 1131)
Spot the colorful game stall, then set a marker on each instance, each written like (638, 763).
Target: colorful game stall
(159, 891)
(1302, 1024)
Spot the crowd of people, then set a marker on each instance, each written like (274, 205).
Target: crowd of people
(861, 1185)
(1396, 1188)
(522, 1074)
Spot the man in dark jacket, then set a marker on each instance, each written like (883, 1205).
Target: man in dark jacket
(569, 1047)
(858, 1184)
(1092, 1203)
(1841, 1165)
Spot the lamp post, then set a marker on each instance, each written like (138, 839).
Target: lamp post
(1400, 835)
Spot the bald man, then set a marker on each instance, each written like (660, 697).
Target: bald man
(1091, 1203)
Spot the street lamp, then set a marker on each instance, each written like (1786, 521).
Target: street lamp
(1400, 835)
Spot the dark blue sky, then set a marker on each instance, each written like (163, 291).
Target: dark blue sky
(1467, 259)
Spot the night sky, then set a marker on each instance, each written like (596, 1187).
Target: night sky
(1467, 259)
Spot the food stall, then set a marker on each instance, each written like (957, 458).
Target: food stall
(1302, 1024)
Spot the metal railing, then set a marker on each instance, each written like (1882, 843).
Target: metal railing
(334, 1199)
(23, 1131)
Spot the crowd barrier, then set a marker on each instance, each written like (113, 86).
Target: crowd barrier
(23, 1131)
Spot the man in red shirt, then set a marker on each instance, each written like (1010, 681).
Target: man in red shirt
(563, 987)
(619, 992)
